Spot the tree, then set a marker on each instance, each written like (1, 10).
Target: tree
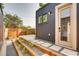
(1, 7)
(12, 21)
(17, 21)
(41, 5)
(23, 27)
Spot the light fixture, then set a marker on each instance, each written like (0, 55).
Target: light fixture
(49, 13)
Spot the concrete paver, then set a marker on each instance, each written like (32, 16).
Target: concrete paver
(40, 42)
(56, 48)
(46, 44)
(69, 52)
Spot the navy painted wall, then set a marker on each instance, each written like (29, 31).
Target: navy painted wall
(42, 30)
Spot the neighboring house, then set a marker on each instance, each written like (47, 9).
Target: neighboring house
(12, 33)
(1, 28)
(29, 31)
(58, 23)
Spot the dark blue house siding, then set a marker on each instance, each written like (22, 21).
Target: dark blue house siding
(42, 30)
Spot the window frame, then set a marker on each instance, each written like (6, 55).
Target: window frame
(41, 21)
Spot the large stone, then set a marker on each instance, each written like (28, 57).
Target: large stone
(56, 48)
(46, 44)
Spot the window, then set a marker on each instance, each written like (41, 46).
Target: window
(65, 23)
(45, 18)
(65, 12)
(42, 19)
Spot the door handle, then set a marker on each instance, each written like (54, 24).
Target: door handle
(59, 29)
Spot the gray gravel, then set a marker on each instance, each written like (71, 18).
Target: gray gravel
(11, 51)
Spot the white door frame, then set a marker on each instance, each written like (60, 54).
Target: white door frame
(73, 25)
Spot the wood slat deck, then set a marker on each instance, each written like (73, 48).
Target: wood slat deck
(45, 50)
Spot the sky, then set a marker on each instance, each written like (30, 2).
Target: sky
(26, 11)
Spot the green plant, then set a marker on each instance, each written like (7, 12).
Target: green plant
(31, 44)
(24, 50)
(18, 44)
(12, 21)
(22, 39)
(41, 5)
